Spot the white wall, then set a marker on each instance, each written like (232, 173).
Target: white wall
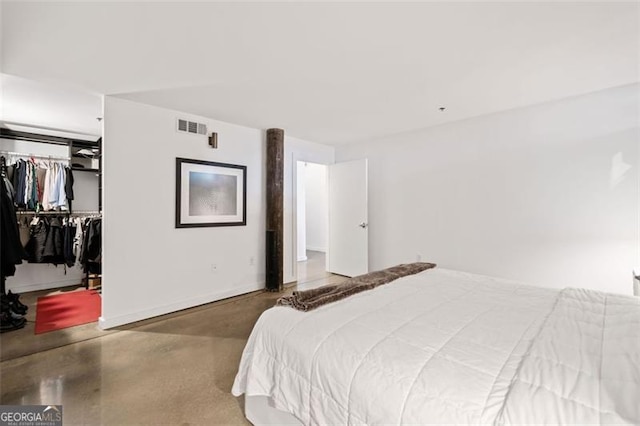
(297, 150)
(40, 276)
(317, 207)
(149, 267)
(2, 54)
(85, 191)
(546, 194)
(301, 211)
(35, 148)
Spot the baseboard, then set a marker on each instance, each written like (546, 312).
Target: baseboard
(320, 249)
(25, 288)
(106, 323)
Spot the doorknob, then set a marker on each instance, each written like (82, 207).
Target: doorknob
(363, 225)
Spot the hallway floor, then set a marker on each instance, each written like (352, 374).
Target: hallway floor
(313, 268)
(174, 370)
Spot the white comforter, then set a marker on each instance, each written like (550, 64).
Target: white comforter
(450, 347)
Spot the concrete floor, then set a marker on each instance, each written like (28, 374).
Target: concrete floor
(313, 268)
(174, 370)
(23, 342)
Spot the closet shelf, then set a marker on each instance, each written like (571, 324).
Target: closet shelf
(84, 169)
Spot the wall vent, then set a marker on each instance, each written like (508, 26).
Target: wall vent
(192, 127)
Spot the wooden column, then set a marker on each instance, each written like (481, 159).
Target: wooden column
(275, 210)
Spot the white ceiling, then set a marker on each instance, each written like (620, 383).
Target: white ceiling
(49, 106)
(327, 72)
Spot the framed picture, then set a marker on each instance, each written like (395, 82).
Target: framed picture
(210, 194)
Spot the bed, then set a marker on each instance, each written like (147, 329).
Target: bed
(447, 347)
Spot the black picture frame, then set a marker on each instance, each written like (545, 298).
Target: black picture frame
(185, 218)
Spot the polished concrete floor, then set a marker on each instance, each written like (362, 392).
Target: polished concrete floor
(313, 268)
(23, 342)
(174, 370)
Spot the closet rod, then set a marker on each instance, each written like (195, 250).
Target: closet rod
(52, 212)
(59, 212)
(22, 154)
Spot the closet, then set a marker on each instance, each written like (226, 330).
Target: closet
(50, 214)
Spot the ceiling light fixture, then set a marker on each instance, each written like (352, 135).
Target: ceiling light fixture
(442, 109)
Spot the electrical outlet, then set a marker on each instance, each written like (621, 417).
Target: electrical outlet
(252, 261)
(214, 267)
(418, 257)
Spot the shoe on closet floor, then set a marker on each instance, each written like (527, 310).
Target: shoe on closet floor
(8, 306)
(15, 299)
(8, 323)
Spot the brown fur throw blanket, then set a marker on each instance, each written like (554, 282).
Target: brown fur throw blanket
(308, 300)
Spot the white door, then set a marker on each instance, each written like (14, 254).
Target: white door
(348, 252)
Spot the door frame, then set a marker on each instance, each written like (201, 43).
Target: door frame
(295, 157)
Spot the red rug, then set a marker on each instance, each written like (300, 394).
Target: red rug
(67, 309)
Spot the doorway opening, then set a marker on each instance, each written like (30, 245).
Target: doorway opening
(312, 221)
(50, 179)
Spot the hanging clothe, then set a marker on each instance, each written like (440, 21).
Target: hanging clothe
(69, 232)
(68, 187)
(78, 241)
(53, 245)
(11, 250)
(28, 182)
(25, 232)
(38, 237)
(44, 185)
(31, 191)
(41, 174)
(46, 191)
(47, 240)
(53, 187)
(61, 180)
(91, 256)
(9, 172)
(19, 182)
(62, 240)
